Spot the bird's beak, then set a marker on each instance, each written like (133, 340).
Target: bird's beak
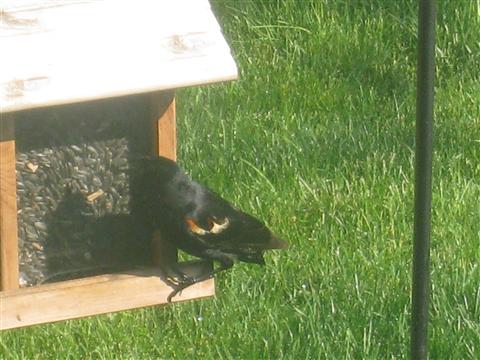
(276, 243)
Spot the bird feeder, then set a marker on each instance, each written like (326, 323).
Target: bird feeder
(84, 85)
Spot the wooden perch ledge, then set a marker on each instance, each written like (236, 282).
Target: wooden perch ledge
(95, 295)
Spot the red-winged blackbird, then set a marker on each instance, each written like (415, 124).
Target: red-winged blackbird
(196, 220)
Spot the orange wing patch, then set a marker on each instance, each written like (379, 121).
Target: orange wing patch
(194, 227)
(217, 228)
(214, 228)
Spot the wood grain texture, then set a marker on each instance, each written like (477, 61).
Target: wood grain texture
(163, 142)
(164, 124)
(8, 206)
(94, 295)
(50, 57)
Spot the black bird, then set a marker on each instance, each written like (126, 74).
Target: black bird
(196, 220)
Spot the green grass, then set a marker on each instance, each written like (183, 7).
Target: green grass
(317, 138)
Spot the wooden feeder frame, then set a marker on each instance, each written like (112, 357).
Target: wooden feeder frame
(71, 299)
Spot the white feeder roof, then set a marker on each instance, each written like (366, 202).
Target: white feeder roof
(57, 52)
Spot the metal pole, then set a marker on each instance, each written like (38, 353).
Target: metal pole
(423, 178)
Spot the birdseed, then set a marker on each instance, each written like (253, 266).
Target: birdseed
(73, 189)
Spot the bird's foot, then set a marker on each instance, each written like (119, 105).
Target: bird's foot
(187, 281)
(176, 279)
(177, 288)
(179, 278)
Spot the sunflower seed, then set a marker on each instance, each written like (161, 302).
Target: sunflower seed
(32, 167)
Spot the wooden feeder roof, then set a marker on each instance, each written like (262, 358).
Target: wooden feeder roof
(58, 51)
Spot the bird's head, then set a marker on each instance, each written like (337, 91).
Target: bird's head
(235, 232)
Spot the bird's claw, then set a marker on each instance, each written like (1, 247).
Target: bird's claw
(186, 282)
(189, 281)
(174, 276)
(178, 280)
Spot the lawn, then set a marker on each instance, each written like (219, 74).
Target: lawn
(317, 138)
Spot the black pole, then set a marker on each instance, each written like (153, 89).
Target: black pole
(423, 178)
